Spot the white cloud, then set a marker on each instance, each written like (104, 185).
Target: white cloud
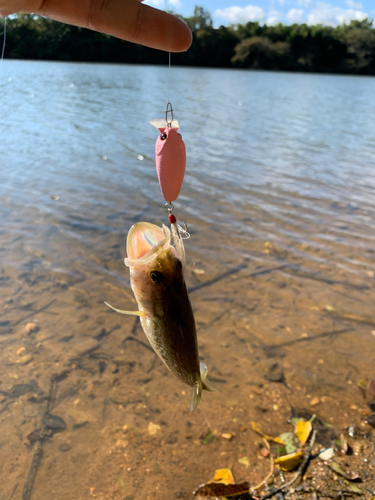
(281, 2)
(326, 14)
(304, 3)
(274, 17)
(175, 3)
(241, 14)
(164, 4)
(354, 5)
(296, 16)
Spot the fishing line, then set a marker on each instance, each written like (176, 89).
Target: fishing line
(4, 39)
(170, 157)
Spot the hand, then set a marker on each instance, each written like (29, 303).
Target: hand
(126, 19)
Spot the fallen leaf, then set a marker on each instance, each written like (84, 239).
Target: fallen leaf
(354, 488)
(303, 430)
(224, 476)
(258, 430)
(222, 485)
(291, 461)
(244, 461)
(350, 476)
(290, 441)
(207, 439)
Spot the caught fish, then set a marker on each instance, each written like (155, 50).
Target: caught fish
(156, 276)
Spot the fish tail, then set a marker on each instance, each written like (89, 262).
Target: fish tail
(206, 384)
(196, 394)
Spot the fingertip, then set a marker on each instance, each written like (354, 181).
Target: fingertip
(163, 31)
(182, 36)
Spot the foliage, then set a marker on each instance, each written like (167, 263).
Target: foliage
(297, 47)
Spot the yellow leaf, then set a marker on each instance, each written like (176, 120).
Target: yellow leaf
(244, 461)
(291, 461)
(258, 430)
(224, 476)
(222, 485)
(303, 430)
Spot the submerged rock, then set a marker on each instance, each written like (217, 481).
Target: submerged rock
(54, 422)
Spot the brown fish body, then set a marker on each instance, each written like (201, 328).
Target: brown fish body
(167, 318)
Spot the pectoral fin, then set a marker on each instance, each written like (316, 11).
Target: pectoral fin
(141, 314)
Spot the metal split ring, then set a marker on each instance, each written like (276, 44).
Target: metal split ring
(169, 207)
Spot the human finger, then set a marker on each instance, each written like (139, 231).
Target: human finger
(126, 19)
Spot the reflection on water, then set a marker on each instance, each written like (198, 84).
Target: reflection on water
(279, 198)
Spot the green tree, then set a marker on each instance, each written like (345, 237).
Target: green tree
(260, 53)
(199, 20)
(298, 47)
(359, 40)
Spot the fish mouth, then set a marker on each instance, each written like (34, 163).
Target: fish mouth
(144, 241)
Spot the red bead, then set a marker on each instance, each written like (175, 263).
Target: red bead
(172, 218)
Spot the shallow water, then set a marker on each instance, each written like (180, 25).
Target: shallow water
(280, 202)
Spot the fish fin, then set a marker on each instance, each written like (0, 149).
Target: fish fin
(196, 394)
(133, 313)
(206, 384)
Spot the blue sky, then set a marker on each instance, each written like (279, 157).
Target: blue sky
(328, 12)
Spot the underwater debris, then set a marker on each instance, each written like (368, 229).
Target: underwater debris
(222, 484)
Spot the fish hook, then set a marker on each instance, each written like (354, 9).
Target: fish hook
(184, 231)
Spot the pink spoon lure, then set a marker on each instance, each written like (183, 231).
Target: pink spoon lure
(170, 156)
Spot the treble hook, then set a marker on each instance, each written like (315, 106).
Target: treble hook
(184, 231)
(169, 110)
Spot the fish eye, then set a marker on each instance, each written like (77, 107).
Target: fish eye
(163, 137)
(156, 277)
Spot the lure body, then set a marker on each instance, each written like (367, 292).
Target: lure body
(170, 156)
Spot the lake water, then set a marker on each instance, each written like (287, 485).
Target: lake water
(279, 197)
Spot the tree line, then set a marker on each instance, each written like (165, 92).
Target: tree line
(348, 49)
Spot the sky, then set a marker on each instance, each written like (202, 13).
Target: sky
(330, 12)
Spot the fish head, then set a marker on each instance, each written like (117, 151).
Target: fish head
(154, 265)
(169, 138)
